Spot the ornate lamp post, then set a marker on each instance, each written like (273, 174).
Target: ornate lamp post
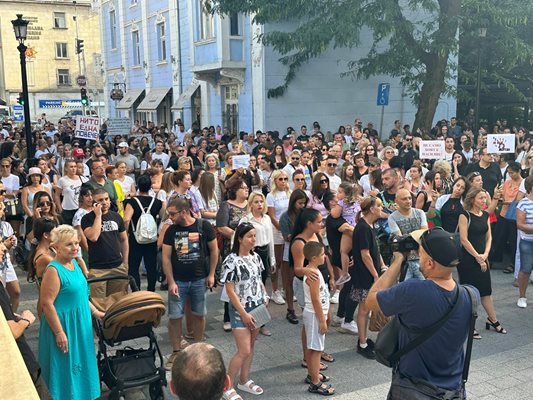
(20, 26)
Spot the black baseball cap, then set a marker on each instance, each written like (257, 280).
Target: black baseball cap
(439, 244)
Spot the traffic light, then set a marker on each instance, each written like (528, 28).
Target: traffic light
(84, 98)
(79, 46)
(20, 99)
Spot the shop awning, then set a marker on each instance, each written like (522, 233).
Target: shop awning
(129, 98)
(185, 96)
(153, 99)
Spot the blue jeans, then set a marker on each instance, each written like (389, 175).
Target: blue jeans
(195, 291)
(413, 270)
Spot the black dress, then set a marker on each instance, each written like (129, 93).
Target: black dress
(449, 214)
(469, 270)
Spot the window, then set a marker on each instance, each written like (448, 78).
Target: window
(61, 50)
(113, 28)
(234, 25)
(136, 45)
(60, 22)
(63, 77)
(161, 42)
(206, 22)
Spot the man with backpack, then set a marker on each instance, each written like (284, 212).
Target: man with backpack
(436, 309)
(190, 256)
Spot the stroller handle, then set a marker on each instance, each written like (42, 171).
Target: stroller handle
(128, 278)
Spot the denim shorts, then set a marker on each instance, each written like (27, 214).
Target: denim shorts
(195, 291)
(235, 318)
(526, 256)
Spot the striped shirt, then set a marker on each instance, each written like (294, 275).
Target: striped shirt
(525, 205)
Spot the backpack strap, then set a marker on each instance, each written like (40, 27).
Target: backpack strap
(470, 339)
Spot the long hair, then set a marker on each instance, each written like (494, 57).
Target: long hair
(467, 185)
(346, 178)
(297, 195)
(240, 231)
(316, 188)
(207, 187)
(37, 199)
(305, 216)
(40, 227)
(468, 202)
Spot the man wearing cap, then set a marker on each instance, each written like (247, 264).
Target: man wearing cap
(440, 359)
(132, 163)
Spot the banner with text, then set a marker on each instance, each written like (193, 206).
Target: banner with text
(504, 143)
(87, 127)
(431, 149)
(118, 126)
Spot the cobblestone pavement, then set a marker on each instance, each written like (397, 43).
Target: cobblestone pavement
(502, 365)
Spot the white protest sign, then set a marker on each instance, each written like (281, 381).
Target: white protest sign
(504, 143)
(431, 149)
(242, 161)
(87, 127)
(118, 126)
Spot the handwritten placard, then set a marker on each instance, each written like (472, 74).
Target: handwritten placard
(504, 143)
(87, 127)
(431, 149)
(241, 161)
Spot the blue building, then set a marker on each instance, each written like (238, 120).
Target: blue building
(176, 61)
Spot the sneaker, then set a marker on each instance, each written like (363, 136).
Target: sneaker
(277, 297)
(170, 360)
(291, 317)
(343, 279)
(282, 291)
(349, 327)
(336, 321)
(367, 352)
(227, 326)
(522, 302)
(334, 299)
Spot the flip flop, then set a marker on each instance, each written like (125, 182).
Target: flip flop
(327, 357)
(250, 387)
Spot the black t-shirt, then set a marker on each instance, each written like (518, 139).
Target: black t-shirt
(25, 351)
(334, 238)
(364, 238)
(145, 201)
(105, 253)
(492, 175)
(188, 256)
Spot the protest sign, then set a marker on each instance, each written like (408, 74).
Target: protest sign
(118, 126)
(87, 127)
(431, 149)
(242, 161)
(504, 143)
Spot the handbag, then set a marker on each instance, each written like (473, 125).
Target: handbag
(261, 315)
(377, 321)
(13, 207)
(511, 211)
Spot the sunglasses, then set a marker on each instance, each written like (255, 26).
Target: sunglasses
(283, 179)
(324, 181)
(44, 204)
(180, 150)
(332, 165)
(6, 166)
(299, 179)
(295, 158)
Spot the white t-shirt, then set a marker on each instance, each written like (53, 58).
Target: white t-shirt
(76, 220)
(334, 182)
(280, 202)
(127, 185)
(71, 191)
(164, 157)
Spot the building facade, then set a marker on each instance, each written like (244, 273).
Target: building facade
(214, 72)
(51, 60)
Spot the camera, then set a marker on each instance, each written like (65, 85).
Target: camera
(403, 244)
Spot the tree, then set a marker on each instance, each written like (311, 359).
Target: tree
(415, 40)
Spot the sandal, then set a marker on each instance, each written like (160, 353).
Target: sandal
(496, 325)
(327, 357)
(231, 394)
(323, 366)
(509, 269)
(250, 387)
(323, 378)
(476, 335)
(323, 389)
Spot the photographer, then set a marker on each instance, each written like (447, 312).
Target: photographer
(439, 360)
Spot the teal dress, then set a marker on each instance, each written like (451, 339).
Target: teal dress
(72, 375)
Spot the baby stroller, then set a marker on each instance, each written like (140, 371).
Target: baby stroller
(129, 316)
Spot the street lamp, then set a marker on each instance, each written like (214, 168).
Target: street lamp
(482, 33)
(20, 26)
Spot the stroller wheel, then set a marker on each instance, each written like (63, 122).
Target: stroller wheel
(156, 391)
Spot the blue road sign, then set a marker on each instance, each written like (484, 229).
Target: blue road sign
(383, 94)
(18, 113)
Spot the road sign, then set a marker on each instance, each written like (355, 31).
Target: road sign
(383, 94)
(81, 80)
(18, 113)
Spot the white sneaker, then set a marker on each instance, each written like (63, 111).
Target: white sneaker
(277, 298)
(336, 321)
(522, 302)
(282, 291)
(349, 327)
(334, 299)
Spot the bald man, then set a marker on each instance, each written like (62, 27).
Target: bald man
(198, 373)
(405, 220)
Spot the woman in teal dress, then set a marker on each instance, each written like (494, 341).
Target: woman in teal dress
(66, 348)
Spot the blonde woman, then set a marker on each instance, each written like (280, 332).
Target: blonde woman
(212, 165)
(278, 203)
(264, 246)
(386, 155)
(444, 169)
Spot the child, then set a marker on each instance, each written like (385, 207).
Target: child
(316, 318)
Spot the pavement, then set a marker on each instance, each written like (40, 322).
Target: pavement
(501, 368)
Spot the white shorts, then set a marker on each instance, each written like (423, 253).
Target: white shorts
(8, 275)
(315, 341)
(278, 237)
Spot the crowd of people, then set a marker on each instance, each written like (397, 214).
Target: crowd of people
(309, 222)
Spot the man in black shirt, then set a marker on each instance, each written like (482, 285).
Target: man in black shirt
(488, 169)
(190, 256)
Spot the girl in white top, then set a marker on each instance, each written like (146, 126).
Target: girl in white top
(208, 197)
(127, 184)
(12, 186)
(68, 186)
